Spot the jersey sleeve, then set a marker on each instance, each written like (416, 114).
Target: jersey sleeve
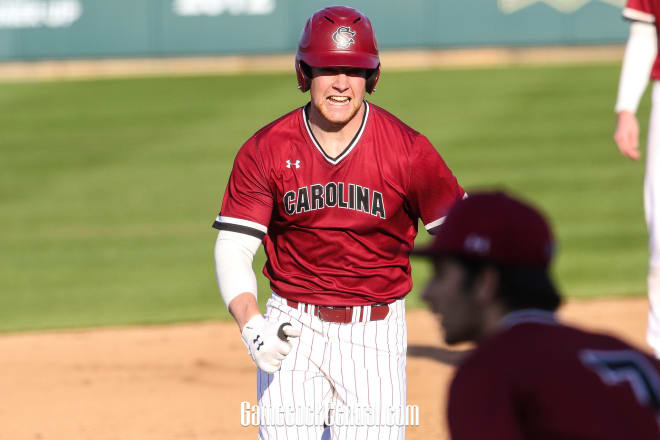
(481, 405)
(432, 187)
(639, 10)
(248, 201)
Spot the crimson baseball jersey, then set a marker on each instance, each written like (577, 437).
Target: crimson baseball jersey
(538, 379)
(338, 231)
(647, 11)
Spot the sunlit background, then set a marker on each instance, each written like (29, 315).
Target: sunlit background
(109, 186)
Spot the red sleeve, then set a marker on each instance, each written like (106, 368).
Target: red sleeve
(248, 201)
(639, 10)
(432, 188)
(481, 406)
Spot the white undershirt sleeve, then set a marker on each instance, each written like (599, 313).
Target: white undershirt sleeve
(641, 51)
(234, 253)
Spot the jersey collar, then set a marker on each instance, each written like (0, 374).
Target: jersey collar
(351, 144)
(525, 316)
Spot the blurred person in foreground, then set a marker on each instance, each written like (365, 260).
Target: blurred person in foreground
(530, 377)
(640, 63)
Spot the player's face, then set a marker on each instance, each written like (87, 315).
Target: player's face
(337, 93)
(451, 300)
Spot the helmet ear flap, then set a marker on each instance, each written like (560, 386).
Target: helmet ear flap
(304, 74)
(372, 79)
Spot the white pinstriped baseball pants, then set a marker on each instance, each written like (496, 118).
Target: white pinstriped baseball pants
(359, 365)
(652, 211)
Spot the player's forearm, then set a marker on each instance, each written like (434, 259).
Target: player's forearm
(234, 253)
(243, 308)
(640, 53)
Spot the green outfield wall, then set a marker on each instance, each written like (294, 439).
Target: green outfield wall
(36, 29)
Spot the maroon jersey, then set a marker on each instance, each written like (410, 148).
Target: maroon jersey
(338, 231)
(647, 11)
(538, 379)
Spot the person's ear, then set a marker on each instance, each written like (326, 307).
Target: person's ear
(486, 285)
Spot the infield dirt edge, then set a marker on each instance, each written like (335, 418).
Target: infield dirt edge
(418, 59)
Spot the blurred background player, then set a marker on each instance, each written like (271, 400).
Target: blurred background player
(640, 62)
(335, 189)
(530, 377)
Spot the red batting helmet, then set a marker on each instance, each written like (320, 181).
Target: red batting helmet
(338, 36)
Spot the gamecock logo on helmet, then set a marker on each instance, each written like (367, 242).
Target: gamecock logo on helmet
(343, 36)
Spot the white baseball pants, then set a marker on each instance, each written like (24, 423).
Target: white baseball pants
(652, 211)
(345, 374)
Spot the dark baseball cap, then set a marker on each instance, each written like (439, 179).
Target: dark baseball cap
(494, 227)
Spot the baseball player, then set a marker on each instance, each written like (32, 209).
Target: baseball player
(334, 190)
(641, 60)
(530, 377)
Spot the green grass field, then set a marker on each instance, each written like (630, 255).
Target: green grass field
(108, 188)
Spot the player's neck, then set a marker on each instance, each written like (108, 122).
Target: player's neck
(334, 138)
(491, 319)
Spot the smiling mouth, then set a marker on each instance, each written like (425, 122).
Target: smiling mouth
(338, 100)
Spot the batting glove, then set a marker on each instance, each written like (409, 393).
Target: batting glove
(268, 342)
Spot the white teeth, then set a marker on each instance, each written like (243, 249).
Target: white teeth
(339, 98)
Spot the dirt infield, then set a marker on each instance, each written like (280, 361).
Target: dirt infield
(187, 381)
(48, 70)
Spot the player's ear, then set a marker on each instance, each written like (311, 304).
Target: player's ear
(372, 79)
(486, 285)
(307, 69)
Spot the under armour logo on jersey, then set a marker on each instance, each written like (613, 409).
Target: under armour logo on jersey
(343, 36)
(295, 164)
